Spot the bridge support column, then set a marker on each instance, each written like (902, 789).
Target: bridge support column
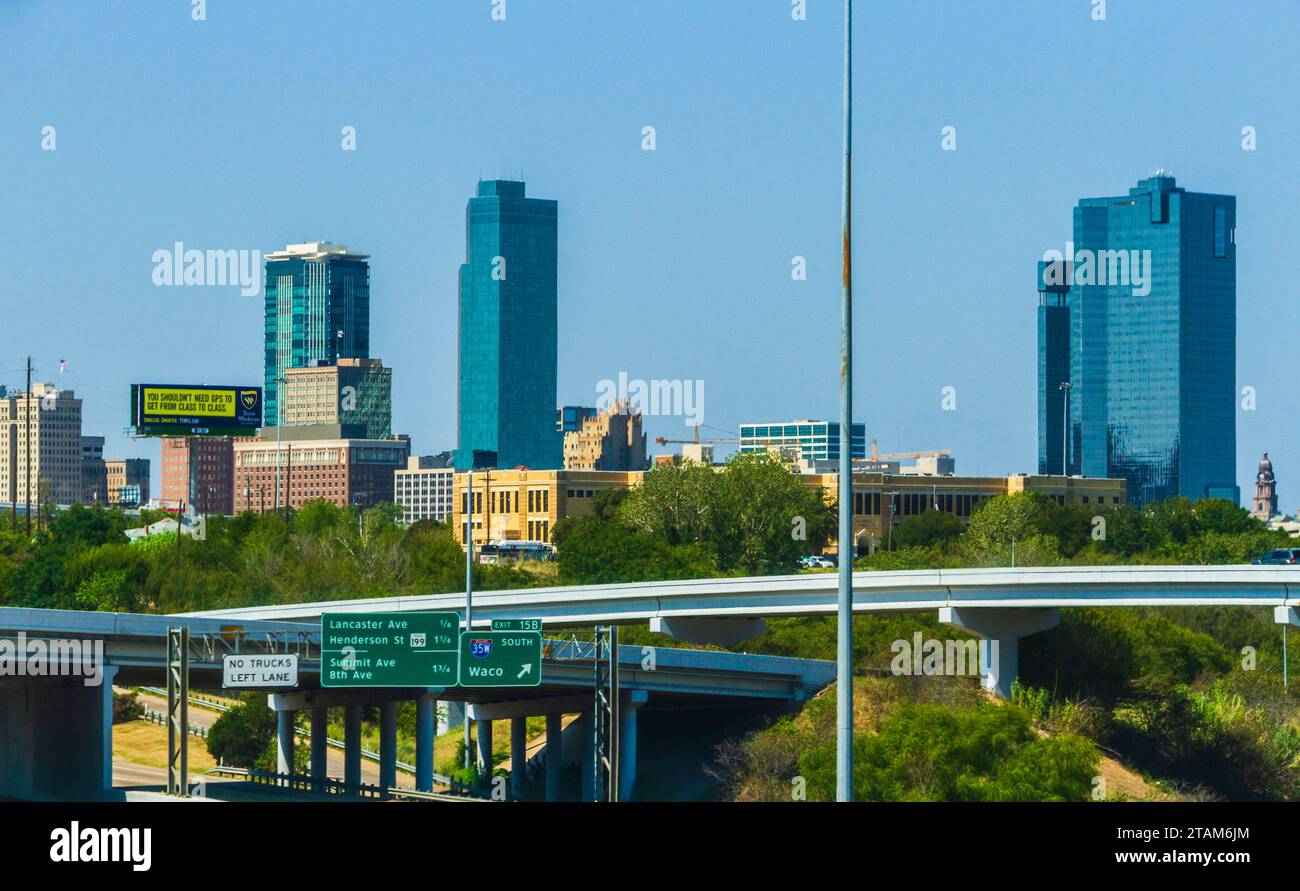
(56, 737)
(284, 741)
(388, 745)
(586, 749)
(319, 746)
(627, 745)
(518, 757)
(453, 717)
(554, 755)
(1002, 628)
(483, 746)
(352, 747)
(105, 754)
(426, 721)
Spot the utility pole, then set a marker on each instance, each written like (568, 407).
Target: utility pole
(27, 479)
(844, 617)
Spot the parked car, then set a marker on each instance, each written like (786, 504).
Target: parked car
(817, 562)
(1279, 557)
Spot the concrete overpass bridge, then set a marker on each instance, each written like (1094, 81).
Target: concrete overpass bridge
(999, 604)
(56, 732)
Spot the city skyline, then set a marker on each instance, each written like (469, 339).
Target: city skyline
(661, 251)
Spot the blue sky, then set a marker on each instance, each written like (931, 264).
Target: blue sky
(225, 134)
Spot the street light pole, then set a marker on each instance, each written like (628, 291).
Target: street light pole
(844, 648)
(1065, 388)
(279, 424)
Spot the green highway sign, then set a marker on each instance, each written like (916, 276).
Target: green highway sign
(389, 649)
(500, 658)
(516, 624)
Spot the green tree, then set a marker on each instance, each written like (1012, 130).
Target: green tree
(240, 737)
(604, 551)
(931, 752)
(755, 515)
(675, 502)
(927, 529)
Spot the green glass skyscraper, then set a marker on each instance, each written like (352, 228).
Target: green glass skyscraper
(1137, 319)
(508, 331)
(317, 312)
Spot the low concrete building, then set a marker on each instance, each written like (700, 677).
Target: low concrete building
(211, 462)
(333, 463)
(881, 501)
(128, 481)
(423, 490)
(524, 505)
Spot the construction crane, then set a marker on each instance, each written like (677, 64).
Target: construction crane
(662, 440)
(909, 456)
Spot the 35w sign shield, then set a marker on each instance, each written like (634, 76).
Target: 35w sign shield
(500, 658)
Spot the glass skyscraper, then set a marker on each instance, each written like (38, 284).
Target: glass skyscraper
(317, 312)
(508, 331)
(1138, 317)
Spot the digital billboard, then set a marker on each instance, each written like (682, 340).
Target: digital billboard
(176, 410)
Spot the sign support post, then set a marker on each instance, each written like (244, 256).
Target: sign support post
(178, 714)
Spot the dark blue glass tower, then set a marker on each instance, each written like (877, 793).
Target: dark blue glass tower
(508, 331)
(1149, 302)
(317, 312)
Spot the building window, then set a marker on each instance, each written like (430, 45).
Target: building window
(1220, 232)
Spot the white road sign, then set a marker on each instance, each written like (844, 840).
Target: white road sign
(260, 672)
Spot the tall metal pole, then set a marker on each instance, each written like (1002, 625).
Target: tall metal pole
(1065, 388)
(27, 478)
(279, 423)
(844, 650)
(469, 582)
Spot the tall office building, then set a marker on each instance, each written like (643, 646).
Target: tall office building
(612, 440)
(349, 392)
(1147, 295)
(49, 420)
(508, 331)
(317, 311)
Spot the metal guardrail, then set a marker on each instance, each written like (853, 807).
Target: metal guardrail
(331, 786)
(300, 783)
(159, 718)
(194, 699)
